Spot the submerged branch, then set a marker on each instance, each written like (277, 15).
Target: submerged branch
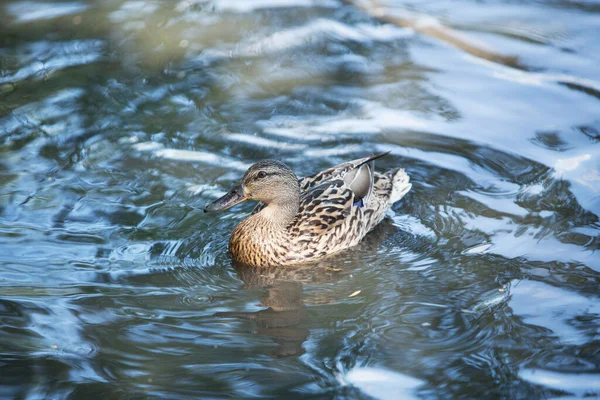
(432, 28)
(426, 26)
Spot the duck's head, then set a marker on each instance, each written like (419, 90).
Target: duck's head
(269, 181)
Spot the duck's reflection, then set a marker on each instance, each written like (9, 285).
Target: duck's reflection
(286, 311)
(284, 319)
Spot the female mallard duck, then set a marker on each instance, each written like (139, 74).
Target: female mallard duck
(302, 220)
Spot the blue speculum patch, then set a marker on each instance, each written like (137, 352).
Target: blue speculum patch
(358, 203)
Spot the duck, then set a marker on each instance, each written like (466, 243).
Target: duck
(303, 220)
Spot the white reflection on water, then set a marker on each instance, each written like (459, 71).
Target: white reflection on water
(321, 30)
(109, 144)
(383, 384)
(579, 384)
(510, 241)
(41, 59)
(247, 6)
(27, 11)
(158, 150)
(554, 309)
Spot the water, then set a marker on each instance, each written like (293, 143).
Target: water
(120, 120)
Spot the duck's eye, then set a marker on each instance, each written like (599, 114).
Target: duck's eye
(261, 174)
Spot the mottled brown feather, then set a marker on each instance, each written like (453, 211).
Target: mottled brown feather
(327, 220)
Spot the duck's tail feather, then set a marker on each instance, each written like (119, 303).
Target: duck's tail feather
(374, 157)
(400, 184)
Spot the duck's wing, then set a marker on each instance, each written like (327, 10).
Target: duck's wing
(356, 175)
(339, 171)
(334, 195)
(322, 208)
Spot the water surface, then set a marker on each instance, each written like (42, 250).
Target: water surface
(120, 120)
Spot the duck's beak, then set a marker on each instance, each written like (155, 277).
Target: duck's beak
(235, 196)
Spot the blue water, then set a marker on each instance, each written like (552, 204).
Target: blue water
(120, 120)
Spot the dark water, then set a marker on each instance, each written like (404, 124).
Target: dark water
(119, 120)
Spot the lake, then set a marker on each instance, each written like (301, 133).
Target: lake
(120, 120)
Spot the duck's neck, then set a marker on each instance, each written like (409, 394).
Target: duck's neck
(281, 212)
(263, 238)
